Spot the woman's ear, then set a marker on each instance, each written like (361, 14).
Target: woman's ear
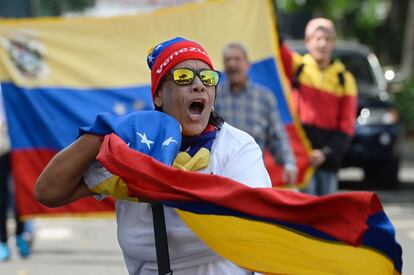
(158, 99)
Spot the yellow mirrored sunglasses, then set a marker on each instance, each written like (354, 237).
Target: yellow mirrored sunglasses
(185, 76)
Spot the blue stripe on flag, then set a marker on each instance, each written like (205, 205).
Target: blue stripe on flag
(50, 117)
(375, 238)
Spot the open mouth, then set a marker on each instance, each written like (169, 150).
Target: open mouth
(233, 71)
(196, 108)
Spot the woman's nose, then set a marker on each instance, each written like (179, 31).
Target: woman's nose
(197, 85)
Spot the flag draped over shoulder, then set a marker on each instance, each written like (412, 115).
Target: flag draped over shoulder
(262, 229)
(58, 74)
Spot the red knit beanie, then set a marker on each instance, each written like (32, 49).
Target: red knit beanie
(166, 55)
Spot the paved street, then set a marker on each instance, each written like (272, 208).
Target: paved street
(70, 246)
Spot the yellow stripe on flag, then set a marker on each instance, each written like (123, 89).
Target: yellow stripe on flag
(272, 249)
(111, 52)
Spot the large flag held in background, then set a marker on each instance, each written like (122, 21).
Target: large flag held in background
(58, 74)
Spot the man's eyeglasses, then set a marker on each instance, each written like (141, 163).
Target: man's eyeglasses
(185, 76)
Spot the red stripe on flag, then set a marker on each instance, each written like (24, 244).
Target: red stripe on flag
(26, 168)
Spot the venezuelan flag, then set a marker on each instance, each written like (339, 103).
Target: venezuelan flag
(57, 74)
(263, 229)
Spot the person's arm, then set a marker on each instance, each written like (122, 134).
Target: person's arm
(277, 141)
(61, 181)
(290, 60)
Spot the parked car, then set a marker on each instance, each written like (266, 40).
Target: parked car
(377, 144)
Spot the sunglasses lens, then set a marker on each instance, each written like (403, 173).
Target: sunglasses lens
(183, 76)
(209, 77)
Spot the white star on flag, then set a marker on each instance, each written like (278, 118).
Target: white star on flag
(150, 58)
(168, 141)
(145, 140)
(119, 108)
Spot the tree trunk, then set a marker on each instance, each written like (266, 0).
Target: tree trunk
(407, 68)
(393, 30)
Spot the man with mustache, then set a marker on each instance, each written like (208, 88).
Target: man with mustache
(252, 108)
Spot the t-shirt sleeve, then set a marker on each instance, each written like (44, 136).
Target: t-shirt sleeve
(246, 165)
(277, 139)
(102, 182)
(95, 174)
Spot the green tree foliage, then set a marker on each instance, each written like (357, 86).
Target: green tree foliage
(404, 101)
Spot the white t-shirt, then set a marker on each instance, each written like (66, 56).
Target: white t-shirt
(235, 155)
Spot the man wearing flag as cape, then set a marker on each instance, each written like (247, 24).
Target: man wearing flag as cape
(224, 218)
